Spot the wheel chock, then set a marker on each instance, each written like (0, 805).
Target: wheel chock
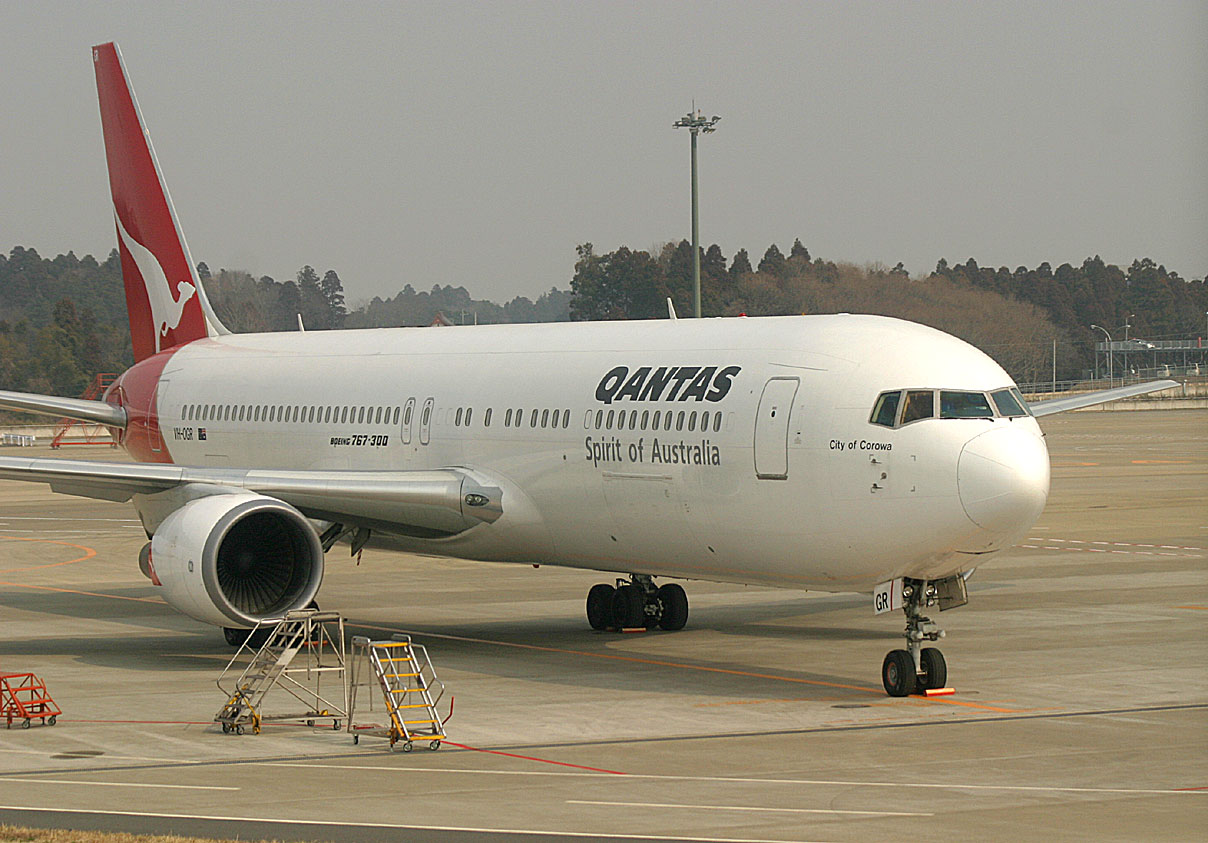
(939, 692)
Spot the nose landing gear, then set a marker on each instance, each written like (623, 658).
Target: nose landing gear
(917, 669)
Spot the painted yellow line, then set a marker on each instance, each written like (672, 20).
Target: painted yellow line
(88, 554)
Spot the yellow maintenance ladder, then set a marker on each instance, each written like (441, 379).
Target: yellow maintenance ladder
(409, 685)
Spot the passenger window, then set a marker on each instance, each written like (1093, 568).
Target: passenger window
(964, 405)
(633, 419)
(645, 418)
(599, 418)
(344, 415)
(621, 420)
(469, 414)
(507, 418)
(457, 419)
(533, 419)
(486, 418)
(553, 421)
(395, 417)
(679, 421)
(717, 421)
(565, 419)
(886, 410)
(692, 421)
(654, 424)
(608, 422)
(920, 404)
(667, 418)
(544, 418)
(1006, 404)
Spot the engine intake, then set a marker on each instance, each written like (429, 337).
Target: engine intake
(233, 560)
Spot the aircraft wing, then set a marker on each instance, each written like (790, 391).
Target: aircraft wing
(99, 412)
(443, 501)
(1089, 399)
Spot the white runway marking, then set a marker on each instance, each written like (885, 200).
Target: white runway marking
(116, 784)
(746, 808)
(1021, 788)
(278, 820)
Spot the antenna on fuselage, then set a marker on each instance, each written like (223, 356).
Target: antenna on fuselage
(671, 309)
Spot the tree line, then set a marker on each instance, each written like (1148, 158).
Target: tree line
(1014, 315)
(63, 319)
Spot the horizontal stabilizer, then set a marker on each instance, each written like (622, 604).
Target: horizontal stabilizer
(96, 412)
(1090, 399)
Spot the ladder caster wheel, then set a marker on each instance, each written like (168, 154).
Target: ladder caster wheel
(25, 723)
(406, 744)
(310, 722)
(335, 726)
(53, 719)
(356, 739)
(435, 745)
(238, 730)
(226, 728)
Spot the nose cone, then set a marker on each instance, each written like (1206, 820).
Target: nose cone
(1003, 479)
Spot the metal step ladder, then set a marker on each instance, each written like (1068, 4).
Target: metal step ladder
(300, 653)
(403, 672)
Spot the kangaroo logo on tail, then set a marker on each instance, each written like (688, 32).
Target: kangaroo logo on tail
(166, 308)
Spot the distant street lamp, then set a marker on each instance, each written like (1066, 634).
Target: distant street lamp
(1127, 324)
(1109, 354)
(696, 123)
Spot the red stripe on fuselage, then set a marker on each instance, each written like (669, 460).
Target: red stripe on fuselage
(139, 387)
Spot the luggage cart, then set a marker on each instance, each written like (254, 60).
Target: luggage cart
(404, 674)
(23, 696)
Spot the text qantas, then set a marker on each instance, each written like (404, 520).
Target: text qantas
(666, 383)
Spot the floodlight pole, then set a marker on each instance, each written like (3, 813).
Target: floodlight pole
(695, 122)
(1109, 354)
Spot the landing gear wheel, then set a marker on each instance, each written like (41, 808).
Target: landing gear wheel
(629, 607)
(675, 607)
(935, 669)
(897, 673)
(599, 606)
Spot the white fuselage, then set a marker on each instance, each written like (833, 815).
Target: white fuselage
(789, 485)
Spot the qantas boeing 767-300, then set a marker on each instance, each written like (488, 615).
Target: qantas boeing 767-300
(836, 452)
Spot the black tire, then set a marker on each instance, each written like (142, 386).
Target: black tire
(599, 606)
(897, 673)
(25, 723)
(406, 746)
(629, 607)
(53, 719)
(935, 669)
(234, 636)
(356, 739)
(675, 607)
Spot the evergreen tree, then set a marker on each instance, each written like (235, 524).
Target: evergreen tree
(333, 291)
(773, 261)
(799, 251)
(741, 265)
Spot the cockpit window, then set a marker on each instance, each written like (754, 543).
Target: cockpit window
(964, 405)
(920, 404)
(886, 411)
(1008, 405)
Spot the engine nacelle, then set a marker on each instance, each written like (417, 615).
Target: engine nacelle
(232, 560)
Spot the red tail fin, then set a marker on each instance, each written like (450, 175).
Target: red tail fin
(166, 304)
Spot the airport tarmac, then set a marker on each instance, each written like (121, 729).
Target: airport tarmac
(1080, 667)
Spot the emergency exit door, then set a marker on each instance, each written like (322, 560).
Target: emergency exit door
(772, 429)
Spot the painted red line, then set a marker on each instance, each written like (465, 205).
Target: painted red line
(1189, 789)
(141, 722)
(531, 758)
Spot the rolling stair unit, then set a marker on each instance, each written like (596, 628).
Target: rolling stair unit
(302, 653)
(408, 683)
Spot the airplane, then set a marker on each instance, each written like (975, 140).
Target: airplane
(840, 453)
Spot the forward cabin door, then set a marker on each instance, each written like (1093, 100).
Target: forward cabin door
(772, 429)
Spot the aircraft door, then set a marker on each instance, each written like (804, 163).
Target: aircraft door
(425, 422)
(772, 428)
(154, 436)
(408, 421)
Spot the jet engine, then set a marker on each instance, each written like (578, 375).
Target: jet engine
(234, 559)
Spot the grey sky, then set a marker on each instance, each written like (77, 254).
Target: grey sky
(478, 144)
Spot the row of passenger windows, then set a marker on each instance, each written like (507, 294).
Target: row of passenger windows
(464, 416)
(290, 414)
(654, 420)
(903, 406)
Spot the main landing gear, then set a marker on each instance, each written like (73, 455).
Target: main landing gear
(637, 602)
(917, 668)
